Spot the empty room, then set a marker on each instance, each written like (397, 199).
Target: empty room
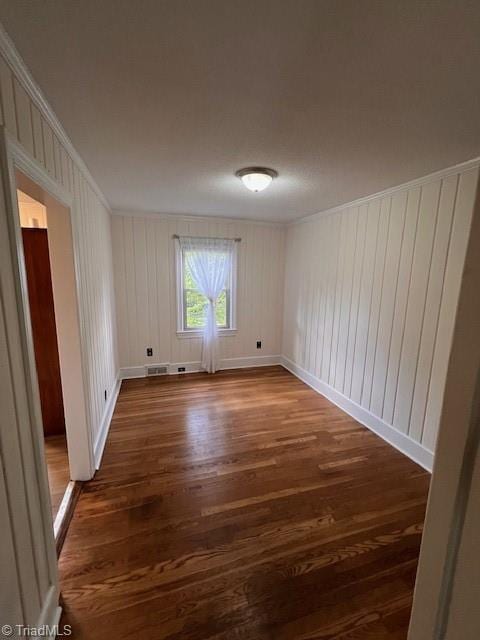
(240, 319)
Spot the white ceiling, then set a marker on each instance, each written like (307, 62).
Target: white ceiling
(165, 100)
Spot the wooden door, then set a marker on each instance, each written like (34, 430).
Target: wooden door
(42, 313)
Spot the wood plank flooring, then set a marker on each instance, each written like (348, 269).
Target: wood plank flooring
(242, 505)
(56, 456)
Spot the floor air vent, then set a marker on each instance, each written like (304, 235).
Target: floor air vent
(156, 371)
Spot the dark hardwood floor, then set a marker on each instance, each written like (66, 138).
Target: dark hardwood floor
(242, 505)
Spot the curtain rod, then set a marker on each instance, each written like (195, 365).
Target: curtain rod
(177, 237)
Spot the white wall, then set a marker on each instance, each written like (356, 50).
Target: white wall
(30, 582)
(32, 213)
(62, 265)
(447, 589)
(370, 296)
(144, 267)
(464, 612)
(24, 121)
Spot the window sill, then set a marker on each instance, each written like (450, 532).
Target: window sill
(191, 333)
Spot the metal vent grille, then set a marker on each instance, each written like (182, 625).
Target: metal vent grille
(156, 371)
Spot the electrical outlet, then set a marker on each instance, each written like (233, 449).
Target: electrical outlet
(149, 351)
(259, 344)
(181, 369)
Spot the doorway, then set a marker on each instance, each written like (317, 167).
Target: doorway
(50, 295)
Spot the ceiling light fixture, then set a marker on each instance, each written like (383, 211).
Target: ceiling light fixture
(256, 178)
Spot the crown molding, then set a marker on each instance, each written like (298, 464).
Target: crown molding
(474, 163)
(183, 217)
(22, 74)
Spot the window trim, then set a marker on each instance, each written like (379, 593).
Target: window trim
(182, 331)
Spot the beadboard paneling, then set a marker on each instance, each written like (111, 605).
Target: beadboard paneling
(370, 299)
(32, 579)
(144, 268)
(92, 237)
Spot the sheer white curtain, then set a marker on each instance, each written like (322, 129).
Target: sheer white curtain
(210, 263)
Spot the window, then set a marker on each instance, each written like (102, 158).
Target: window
(192, 304)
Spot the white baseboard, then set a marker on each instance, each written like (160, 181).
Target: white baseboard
(49, 618)
(250, 361)
(400, 441)
(135, 372)
(195, 367)
(62, 509)
(105, 424)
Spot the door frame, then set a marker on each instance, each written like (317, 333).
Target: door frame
(22, 455)
(32, 478)
(21, 439)
(82, 466)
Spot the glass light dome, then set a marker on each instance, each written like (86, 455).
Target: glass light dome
(256, 178)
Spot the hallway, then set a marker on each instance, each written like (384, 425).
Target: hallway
(242, 505)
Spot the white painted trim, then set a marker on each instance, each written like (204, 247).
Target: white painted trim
(27, 400)
(222, 333)
(126, 373)
(62, 509)
(193, 333)
(20, 160)
(195, 367)
(474, 163)
(233, 291)
(179, 285)
(250, 361)
(36, 172)
(23, 75)
(105, 424)
(184, 217)
(50, 613)
(400, 441)
(190, 367)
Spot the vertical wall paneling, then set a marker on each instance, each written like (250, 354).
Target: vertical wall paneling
(346, 298)
(333, 228)
(370, 299)
(10, 599)
(32, 125)
(389, 291)
(432, 305)
(365, 300)
(9, 115)
(467, 186)
(48, 148)
(422, 256)
(375, 301)
(355, 303)
(24, 116)
(38, 149)
(143, 254)
(401, 298)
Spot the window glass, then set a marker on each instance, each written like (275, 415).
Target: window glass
(195, 304)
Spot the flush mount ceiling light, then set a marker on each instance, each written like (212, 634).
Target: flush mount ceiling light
(256, 178)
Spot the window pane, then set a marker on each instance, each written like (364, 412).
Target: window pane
(195, 308)
(195, 303)
(221, 310)
(188, 282)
